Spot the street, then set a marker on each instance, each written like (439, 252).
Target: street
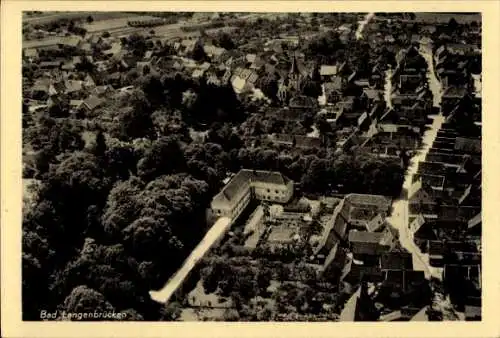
(400, 216)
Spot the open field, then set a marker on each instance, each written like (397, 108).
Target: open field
(52, 16)
(109, 24)
(445, 17)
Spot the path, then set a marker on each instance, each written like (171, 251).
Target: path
(388, 88)
(400, 215)
(216, 231)
(362, 24)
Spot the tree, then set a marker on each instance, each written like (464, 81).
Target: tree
(264, 279)
(153, 89)
(135, 122)
(171, 311)
(86, 300)
(120, 159)
(147, 238)
(123, 205)
(225, 41)
(90, 19)
(164, 157)
(100, 144)
(198, 53)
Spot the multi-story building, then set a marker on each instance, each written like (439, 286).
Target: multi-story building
(249, 184)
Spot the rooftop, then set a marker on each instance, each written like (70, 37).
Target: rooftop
(244, 177)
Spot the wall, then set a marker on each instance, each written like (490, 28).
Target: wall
(272, 192)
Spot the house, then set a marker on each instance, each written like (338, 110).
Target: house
(416, 224)
(76, 104)
(198, 73)
(88, 82)
(48, 65)
(41, 88)
(370, 243)
(57, 88)
(247, 184)
(73, 87)
(144, 67)
(297, 141)
(436, 253)
(31, 54)
(333, 89)
(468, 145)
(396, 261)
(475, 224)
(215, 53)
(451, 97)
(114, 50)
(376, 223)
(86, 47)
(91, 103)
(101, 90)
(302, 102)
(71, 42)
(327, 72)
(472, 309)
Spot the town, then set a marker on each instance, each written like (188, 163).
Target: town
(253, 166)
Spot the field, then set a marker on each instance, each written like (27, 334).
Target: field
(111, 24)
(52, 16)
(445, 17)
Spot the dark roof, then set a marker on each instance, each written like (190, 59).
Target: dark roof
(365, 236)
(244, 177)
(380, 201)
(302, 101)
(376, 223)
(396, 261)
(284, 114)
(474, 221)
(41, 85)
(454, 92)
(297, 66)
(372, 94)
(334, 85)
(93, 102)
(301, 141)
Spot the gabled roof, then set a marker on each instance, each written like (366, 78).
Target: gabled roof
(71, 41)
(365, 237)
(396, 261)
(372, 94)
(73, 86)
(326, 70)
(41, 85)
(93, 102)
(474, 221)
(75, 103)
(30, 52)
(382, 202)
(454, 92)
(376, 223)
(245, 177)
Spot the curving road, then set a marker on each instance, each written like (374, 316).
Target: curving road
(362, 24)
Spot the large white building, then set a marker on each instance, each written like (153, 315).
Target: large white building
(248, 184)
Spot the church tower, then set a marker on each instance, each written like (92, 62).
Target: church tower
(295, 74)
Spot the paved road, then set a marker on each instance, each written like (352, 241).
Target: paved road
(362, 24)
(388, 88)
(216, 231)
(400, 216)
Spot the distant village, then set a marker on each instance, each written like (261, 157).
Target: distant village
(412, 95)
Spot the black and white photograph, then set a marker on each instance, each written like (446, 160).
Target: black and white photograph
(251, 166)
